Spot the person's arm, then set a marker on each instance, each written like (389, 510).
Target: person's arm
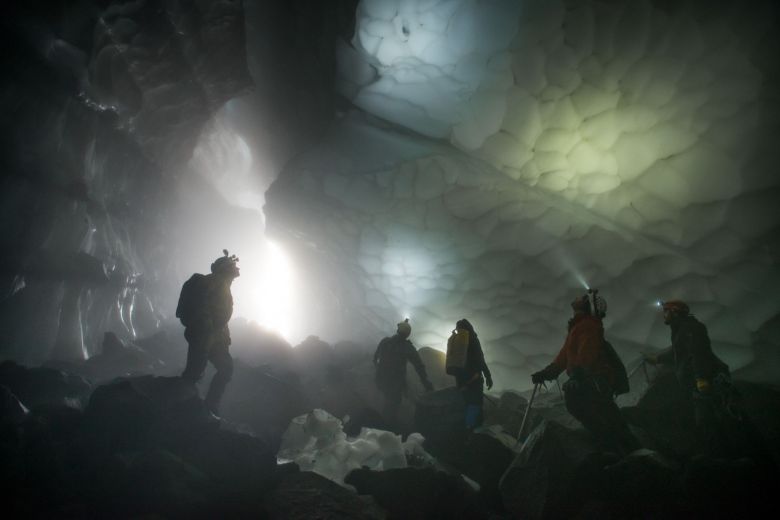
(698, 342)
(665, 357)
(557, 366)
(483, 365)
(414, 358)
(378, 353)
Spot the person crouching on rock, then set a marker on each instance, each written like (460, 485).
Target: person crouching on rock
(589, 390)
(205, 307)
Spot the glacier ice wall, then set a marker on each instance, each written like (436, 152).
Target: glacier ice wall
(502, 154)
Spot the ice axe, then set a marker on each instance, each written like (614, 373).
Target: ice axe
(525, 416)
(643, 366)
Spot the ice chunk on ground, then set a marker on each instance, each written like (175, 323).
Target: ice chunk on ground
(316, 442)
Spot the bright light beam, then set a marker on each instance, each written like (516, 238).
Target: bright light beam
(264, 293)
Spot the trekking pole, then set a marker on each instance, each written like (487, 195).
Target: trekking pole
(525, 417)
(557, 382)
(640, 365)
(647, 376)
(491, 399)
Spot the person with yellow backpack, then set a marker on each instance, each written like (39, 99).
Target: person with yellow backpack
(466, 361)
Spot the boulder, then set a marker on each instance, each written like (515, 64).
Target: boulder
(556, 470)
(719, 488)
(264, 400)
(36, 386)
(117, 359)
(665, 414)
(305, 495)
(644, 481)
(152, 483)
(132, 413)
(439, 417)
(12, 411)
(239, 464)
(418, 493)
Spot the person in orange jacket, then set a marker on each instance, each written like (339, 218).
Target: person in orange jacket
(590, 388)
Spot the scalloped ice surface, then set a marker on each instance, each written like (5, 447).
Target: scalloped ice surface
(624, 144)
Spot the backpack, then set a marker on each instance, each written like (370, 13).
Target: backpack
(191, 299)
(457, 352)
(619, 375)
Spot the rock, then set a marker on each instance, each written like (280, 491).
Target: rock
(36, 386)
(313, 354)
(305, 495)
(418, 493)
(644, 481)
(153, 482)
(111, 344)
(439, 416)
(719, 488)
(365, 418)
(508, 411)
(12, 411)
(239, 464)
(665, 414)
(134, 412)
(257, 346)
(117, 359)
(485, 459)
(556, 470)
(264, 401)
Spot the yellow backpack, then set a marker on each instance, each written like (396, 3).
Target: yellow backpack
(457, 352)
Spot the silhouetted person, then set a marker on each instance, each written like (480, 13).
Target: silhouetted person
(205, 307)
(390, 360)
(592, 378)
(470, 379)
(701, 374)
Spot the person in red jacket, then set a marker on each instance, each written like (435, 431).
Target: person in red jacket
(590, 388)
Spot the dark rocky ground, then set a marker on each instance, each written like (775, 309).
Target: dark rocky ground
(121, 436)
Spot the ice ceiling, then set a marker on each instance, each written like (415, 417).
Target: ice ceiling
(450, 159)
(503, 153)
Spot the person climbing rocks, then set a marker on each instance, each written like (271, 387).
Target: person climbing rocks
(390, 360)
(205, 307)
(586, 358)
(473, 376)
(702, 376)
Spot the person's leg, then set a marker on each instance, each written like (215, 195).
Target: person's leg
(708, 435)
(222, 360)
(197, 355)
(473, 396)
(599, 415)
(393, 396)
(613, 426)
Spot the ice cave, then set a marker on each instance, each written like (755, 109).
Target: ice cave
(390, 176)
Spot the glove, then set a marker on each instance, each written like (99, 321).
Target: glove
(650, 358)
(428, 386)
(539, 377)
(489, 382)
(703, 386)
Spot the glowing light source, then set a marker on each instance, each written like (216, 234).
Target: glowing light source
(264, 293)
(582, 281)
